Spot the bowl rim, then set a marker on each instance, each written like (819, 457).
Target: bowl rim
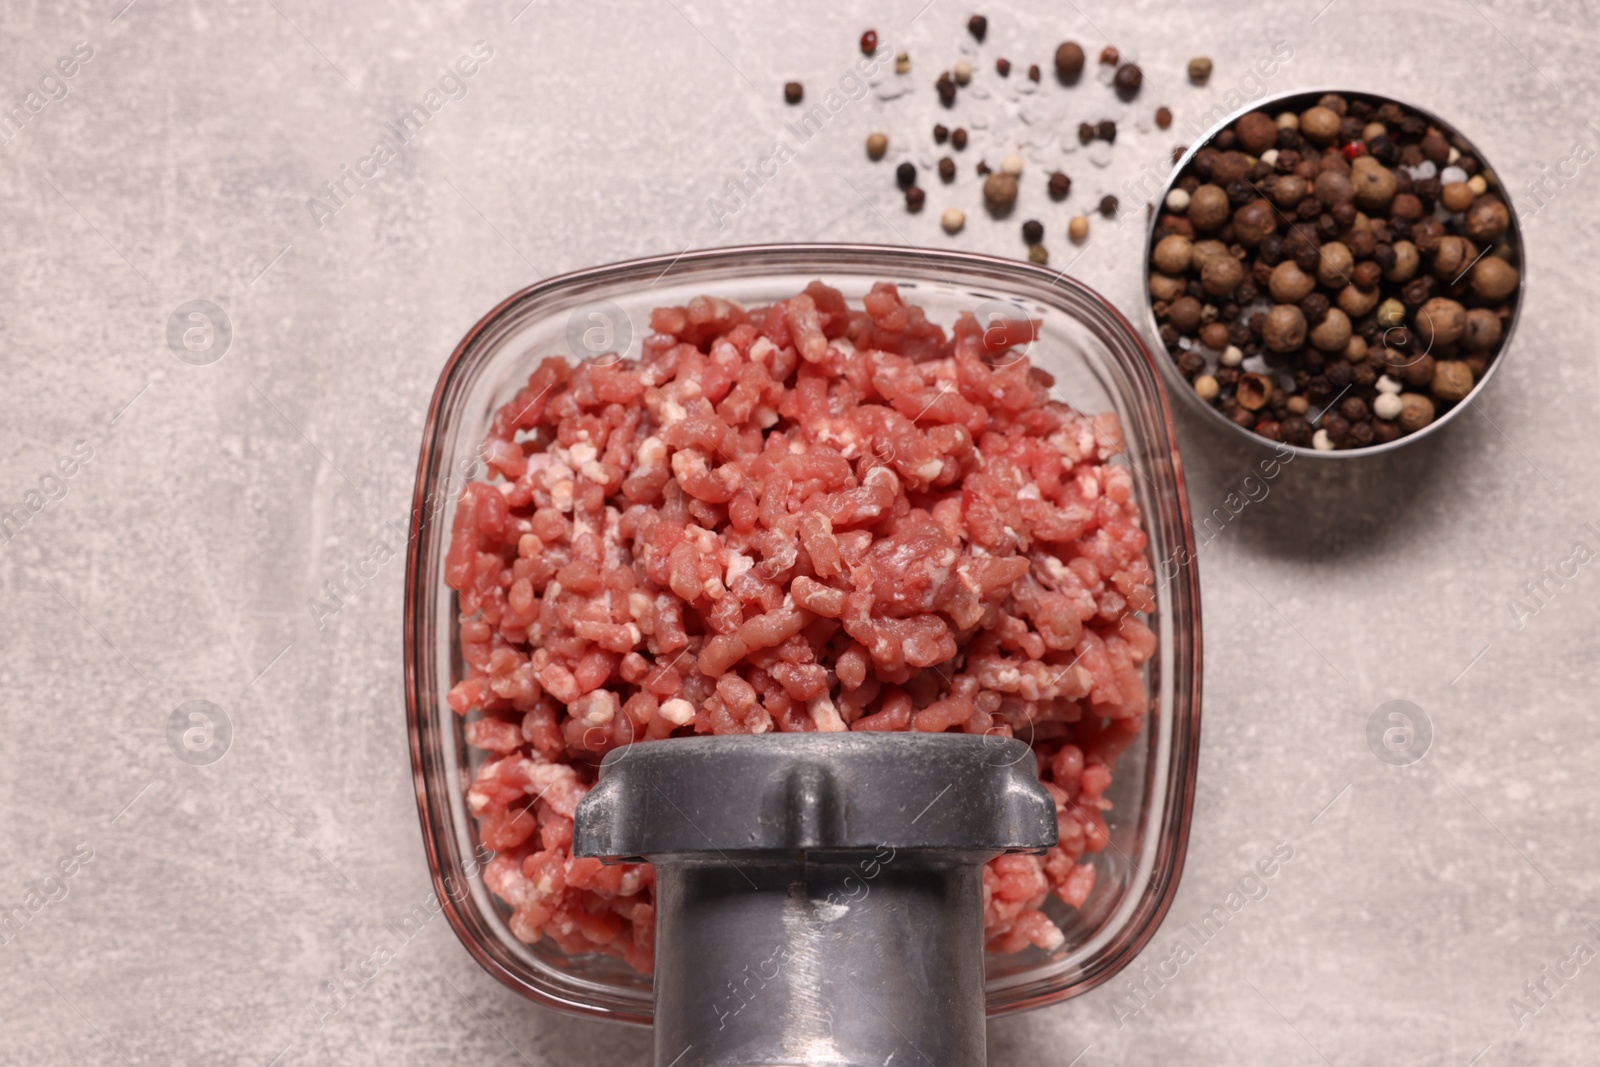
(1181, 386)
(1180, 788)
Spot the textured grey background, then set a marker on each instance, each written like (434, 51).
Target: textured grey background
(179, 562)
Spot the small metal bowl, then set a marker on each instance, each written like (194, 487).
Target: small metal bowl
(1299, 100)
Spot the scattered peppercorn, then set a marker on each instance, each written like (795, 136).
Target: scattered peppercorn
(877, 145)
(1032, 232)
(1002, 67)
(947, 169)
(793, 92)
(1069, 61)
(915, 198)
(1200, 69)
(905, 175)
(869, 42)
(1106, 130)
(1038, 254)
(1033, 72)
(902, 63)
(1127, 80)
(958, 138)
(1163, 118)
(946, 88)
(1060, 186)
(978, 26)
(983, 168)
(1078, 229)
(1000, 192)
(1110, 56)
(940, 134)
(952, 220)
(963, 72)
(1085, 132)
(1108, 206)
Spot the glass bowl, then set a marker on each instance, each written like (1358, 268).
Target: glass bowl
(1100, 364)
(1298, 100)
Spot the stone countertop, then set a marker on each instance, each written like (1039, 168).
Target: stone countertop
(185, 159)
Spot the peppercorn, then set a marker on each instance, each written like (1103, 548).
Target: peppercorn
(905, 175)
(952, 220)
(1085, 132)
(978, 26)
(1002, 67)
(877, 145)
(1110, 56)
(963, 72)
(982, 168)
(958, 138)
(1206, 387)
(1200, 69)
(946, 88)
(947, 169)
(1416, 411)
(1032, 232)
(1078, 229)
(941, 134)
(1037, 253)
(915, 198)
(1000, 192)
(902, 63)
(1033, 72)
(1127, 80)
(1060, 186)
(1163, 118)
(793, 92)
(1108, 206)
(869, 42)
(1069, 61)
(1106, 130)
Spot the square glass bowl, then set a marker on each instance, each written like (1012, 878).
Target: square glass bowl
(1100, 364)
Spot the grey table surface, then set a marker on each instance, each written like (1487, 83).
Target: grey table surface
(176, 563)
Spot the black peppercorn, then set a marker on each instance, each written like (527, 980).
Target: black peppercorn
(1127, 80)
(1309, 208)
(1169, 335)
(1002, 67)
(978, 26)
(793, 92)
(915, 198)
(1314, 307)
(946, 88)
(1364, 375)
(1108, 206)
(1336, 425)
(1362, 434)
(941, 134)
(1384, 256)
(1060, 186)
(1384, 150)
(1085, 132)
(905, 175)
(1270, 250)
(1327, 227)
(947, 169)
(958, 138)
(1287, 139)
(1239, 333)
(1296, 431)
(1033, 72)
(1227, 377)
(1344, 215)
(1032, 232)
(1339, 373)
(1191, 363)
(982, 168)
(1240, 193)
(1106, 130)
(1353, 408)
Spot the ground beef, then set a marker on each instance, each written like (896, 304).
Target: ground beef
(799, 517)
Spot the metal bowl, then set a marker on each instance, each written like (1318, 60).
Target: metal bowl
(1298, 100)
